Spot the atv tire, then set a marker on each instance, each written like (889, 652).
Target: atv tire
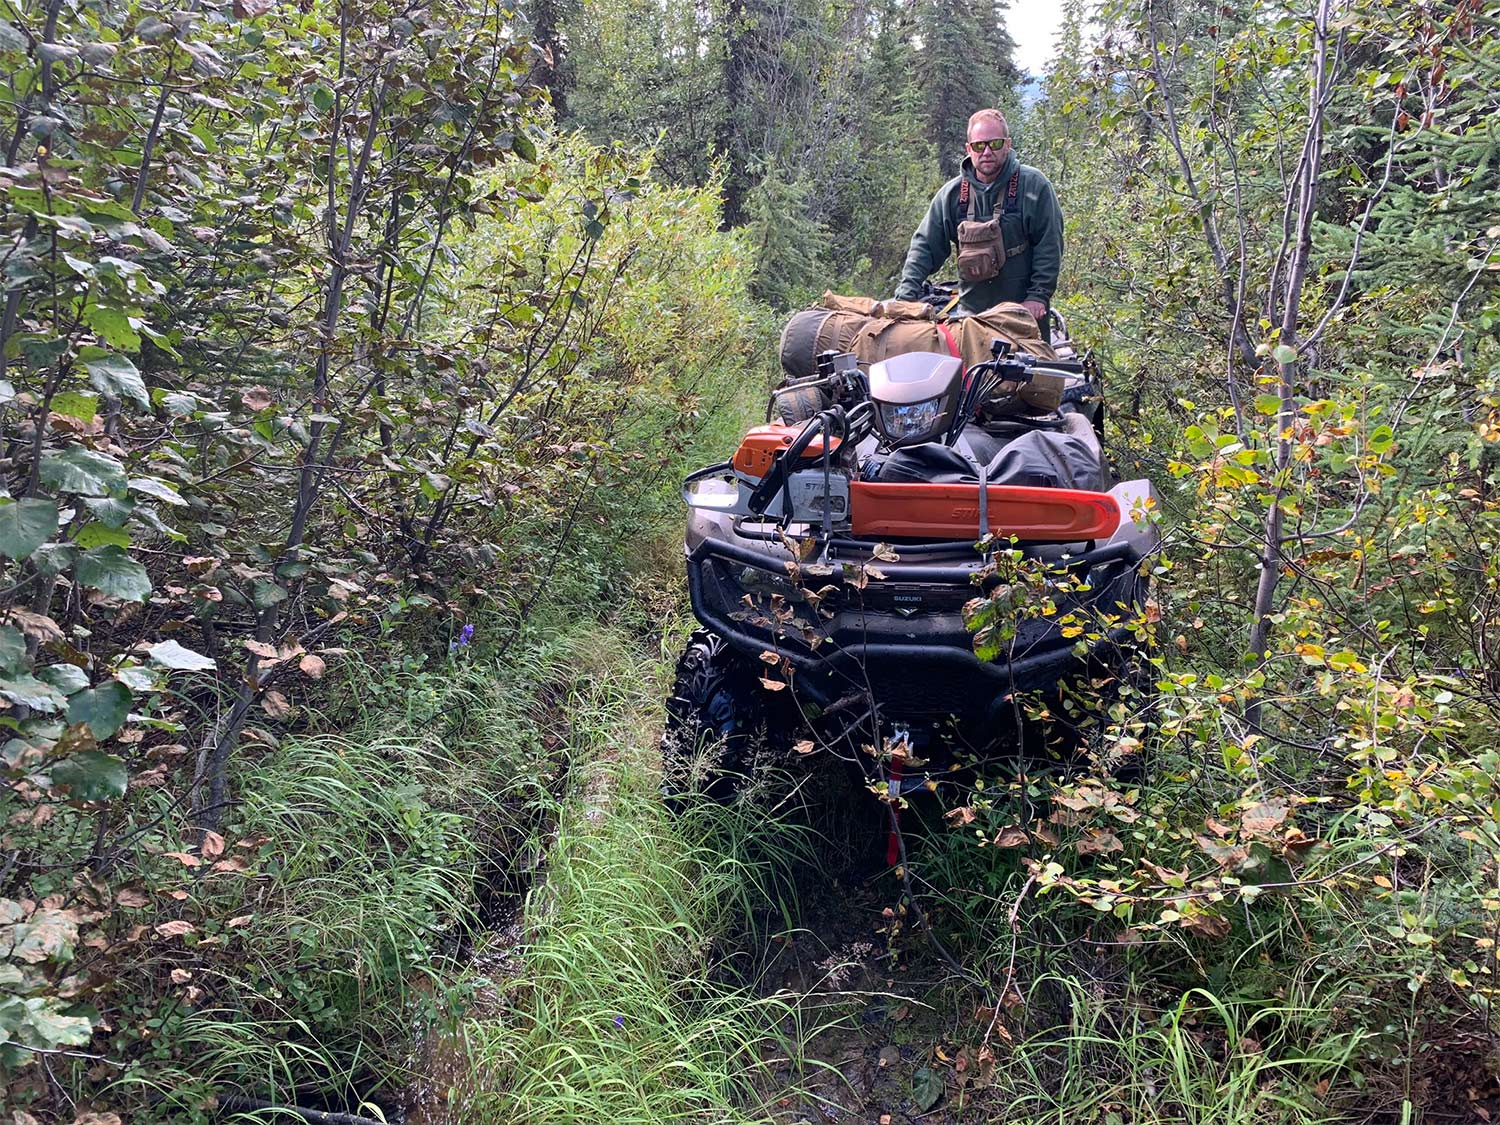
(801, 403)
(716, 722)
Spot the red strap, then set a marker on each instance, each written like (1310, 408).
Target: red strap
(952, 347)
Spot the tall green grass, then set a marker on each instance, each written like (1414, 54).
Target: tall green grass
(371, 852)
(620, 1011)
(1208, 1060)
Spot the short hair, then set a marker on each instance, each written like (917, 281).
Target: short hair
(986, 115)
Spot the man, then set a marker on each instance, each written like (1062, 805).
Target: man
(996, 208)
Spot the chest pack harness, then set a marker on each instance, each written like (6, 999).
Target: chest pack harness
(981, 246)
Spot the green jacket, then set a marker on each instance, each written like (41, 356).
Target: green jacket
(1038, 228)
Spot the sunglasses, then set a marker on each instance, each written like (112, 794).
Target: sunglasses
(992, 146)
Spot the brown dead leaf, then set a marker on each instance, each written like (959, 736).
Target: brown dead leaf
(1223, 854)
(1220, 830)
(178, 896)
(1100, 841)
(1012, 837)
(97, 1119)
(199, 565)
(275, 704)
(38, 626)
(805, 746)
(257, 398)
(960, 816)
(312, 666)
(771, 658)
(234, 863)
(1207, 925)
(131, 897)
(1263, 817)
(1296, 840)
(213, 845)
(260, 648)
(181, 976)
(1011, 998)
(175, 928)
(183, 858)
(242, 920)
(772, 685)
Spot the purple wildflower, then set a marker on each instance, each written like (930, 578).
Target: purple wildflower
(465, 635)
(619, 1021)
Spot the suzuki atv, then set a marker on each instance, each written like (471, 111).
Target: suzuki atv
(840, 562)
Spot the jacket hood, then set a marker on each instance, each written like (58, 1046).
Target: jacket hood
(1007, 170)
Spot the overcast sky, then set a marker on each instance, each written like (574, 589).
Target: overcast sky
(1032, 24)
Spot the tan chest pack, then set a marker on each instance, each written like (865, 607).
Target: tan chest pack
(981, 246)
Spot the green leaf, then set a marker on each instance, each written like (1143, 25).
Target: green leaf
(12, 648)
(113, 326)
(523, 148)
(170, 654)
(75, 405)
(322, 97)
(113, 374)
(103, 708)
(1381, 439)
(42, 353)
(45, 1023)
(266, 594)
(157, 490)
(80, 470)
(109, 511)
(91, 775)
(53, 558)
(927, 1087)
(31, 692)
(1283, 354)
(66, 678)
(111, 571)
(96, 534)
(25, 525)
(1267, 404)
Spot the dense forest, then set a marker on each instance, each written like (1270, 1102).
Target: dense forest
(351, 357)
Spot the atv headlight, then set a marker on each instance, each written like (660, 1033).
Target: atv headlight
(904, 422)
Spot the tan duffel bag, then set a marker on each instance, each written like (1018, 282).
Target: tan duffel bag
(876, 330)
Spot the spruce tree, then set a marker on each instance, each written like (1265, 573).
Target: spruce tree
(967, 63)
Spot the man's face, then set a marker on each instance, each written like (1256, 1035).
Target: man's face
(987, 160)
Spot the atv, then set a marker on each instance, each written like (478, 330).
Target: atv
(837, 562)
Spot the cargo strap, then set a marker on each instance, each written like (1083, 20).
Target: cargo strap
(948, 335)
